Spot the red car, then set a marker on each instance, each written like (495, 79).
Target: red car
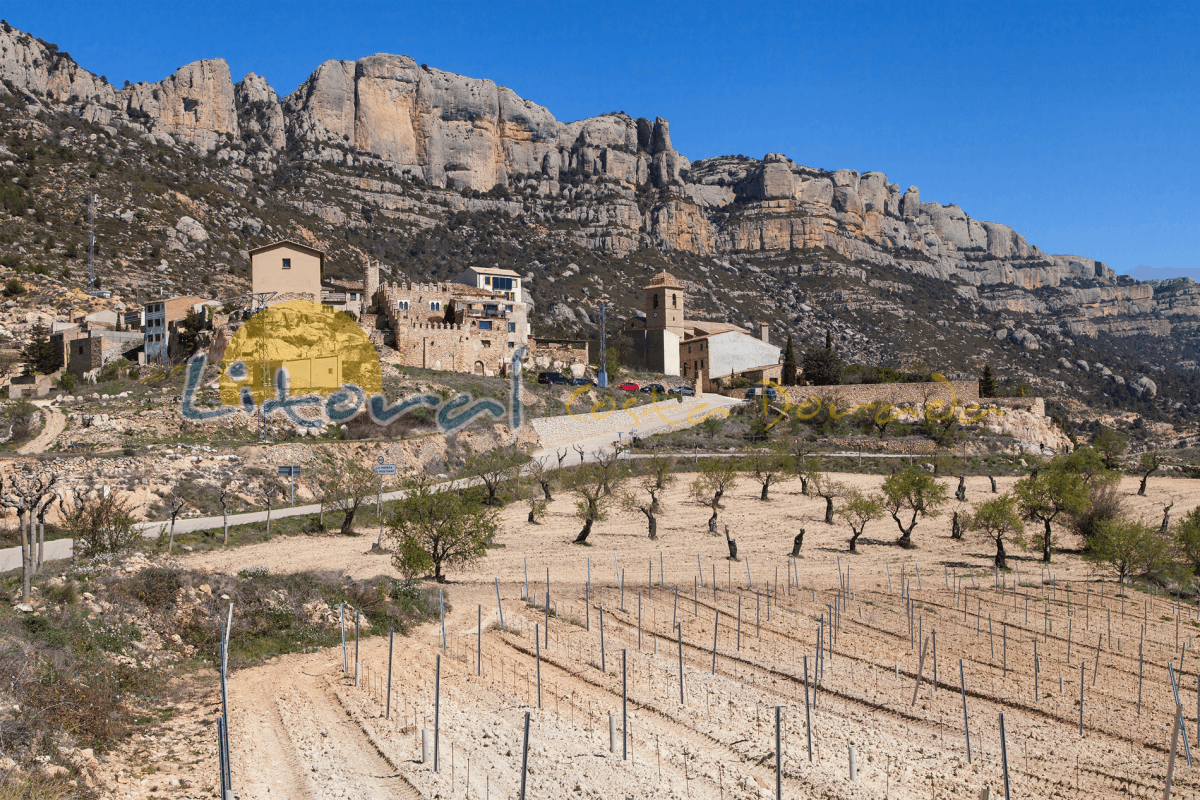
(629, 387)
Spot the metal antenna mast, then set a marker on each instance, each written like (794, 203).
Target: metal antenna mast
(92, 243)
(602, 375)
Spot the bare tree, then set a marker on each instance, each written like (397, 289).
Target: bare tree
(578, 449)
(541, 474)
(731, 543)
(561, 455)
(653, 477)
(587, 482)
(960, 494)
(267, 490)
(175, 504)
(1166, 520)
(717, 475)
(348, 487)
(827, 489)
(767, 468)
(27, 491)
(497, 469)
(223, 499)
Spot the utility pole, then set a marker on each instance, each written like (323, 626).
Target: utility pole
(602, 375)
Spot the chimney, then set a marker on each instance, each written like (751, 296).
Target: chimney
(763, 332)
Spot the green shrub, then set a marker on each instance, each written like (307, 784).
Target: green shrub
(43, 629)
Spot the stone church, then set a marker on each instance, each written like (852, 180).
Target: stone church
(666, 342)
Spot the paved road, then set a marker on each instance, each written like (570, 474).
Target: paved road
(10, 558)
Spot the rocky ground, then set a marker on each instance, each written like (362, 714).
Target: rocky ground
(303, 729)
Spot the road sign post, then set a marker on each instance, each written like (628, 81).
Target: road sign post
(291, 473)
(382, 469)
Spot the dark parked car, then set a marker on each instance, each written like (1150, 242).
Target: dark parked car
(654, 388)
(686, 391)
(629, 387)
(582, 382)
(553, 377)
(758, 392)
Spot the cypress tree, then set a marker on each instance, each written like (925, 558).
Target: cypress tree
(789, 364)
(987, 383)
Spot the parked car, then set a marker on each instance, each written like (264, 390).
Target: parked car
(686, 391)
(654, 388)
(753, 392)
(553, 377)
(582, 382)
(629, 387)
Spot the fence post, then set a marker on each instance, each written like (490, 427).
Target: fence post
(717, 626)
(525, 756)
(682, 702)
(342, 621)
(357, 617)
(1004, 758)
(537, 648)
(479, 639)
(807, 710)
(388, 703)
(778, 755)
(962, 682)
(624, 709)
(1174, 749)
(853, 765)
(602, 669)
(499, 605)
(437, 710)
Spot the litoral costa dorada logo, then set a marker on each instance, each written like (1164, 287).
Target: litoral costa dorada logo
(317, 366)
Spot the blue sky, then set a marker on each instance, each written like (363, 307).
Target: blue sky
(1076, 123)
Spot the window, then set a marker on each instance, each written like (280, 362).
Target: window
(511, 345)
(485, 325)
(487, 342)
(435, 305)
(655, 301)
(508, 309)
(287, 263)
(512, 327)
(673, 303)
(502, 284)
(402, 305)
(487, 280)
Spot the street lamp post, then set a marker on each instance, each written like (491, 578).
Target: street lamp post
(602, 376)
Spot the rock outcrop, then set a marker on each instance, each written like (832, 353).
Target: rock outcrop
(437, 128)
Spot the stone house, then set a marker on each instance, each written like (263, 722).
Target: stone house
(161, 316)
(449, 326)
(286, 270)
(666, 342)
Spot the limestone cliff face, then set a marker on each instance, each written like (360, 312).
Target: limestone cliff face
(40, 70)
(194, 106)
(623, 182)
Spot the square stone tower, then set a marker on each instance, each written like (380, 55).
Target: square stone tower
(664, 304)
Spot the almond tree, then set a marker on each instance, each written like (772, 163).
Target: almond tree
(223, 498)
(496, 469)
(432, 530)
(1052, 493)
(543, 475)
(348, 487)
(913, 493)
(997, 519)
(27, 491)
(858, 511)
(1148, 464)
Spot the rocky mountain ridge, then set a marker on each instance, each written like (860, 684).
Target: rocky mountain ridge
(424, 170)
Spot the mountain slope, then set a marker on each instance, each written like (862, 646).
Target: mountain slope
(427, 170)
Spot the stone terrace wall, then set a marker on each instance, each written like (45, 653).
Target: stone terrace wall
(965, 392)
